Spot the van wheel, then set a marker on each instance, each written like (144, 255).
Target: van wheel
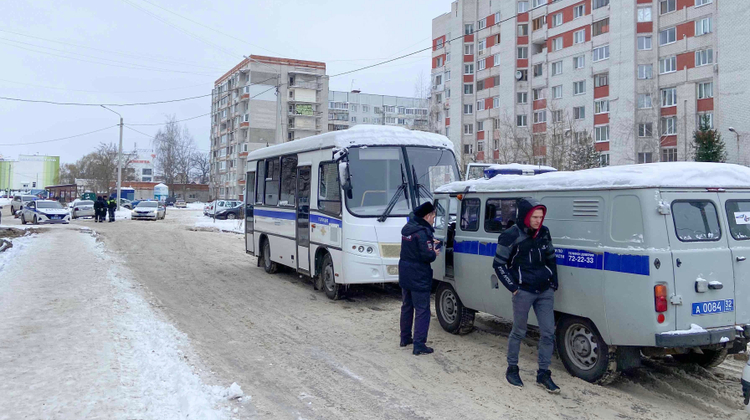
(709, 358)
(454, 317)
(583, 351)
(268, 265)
(231, 216)
(328, 275)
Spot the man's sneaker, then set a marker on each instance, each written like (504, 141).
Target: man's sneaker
(406, 342)
(544, 379)
(422, 349)
(513, 377)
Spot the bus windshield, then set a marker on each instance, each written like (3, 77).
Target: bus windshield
(380, 174)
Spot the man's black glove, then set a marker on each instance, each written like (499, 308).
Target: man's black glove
(746, 391)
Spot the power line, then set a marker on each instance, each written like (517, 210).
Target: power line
(60, 139)
(186, 119)
(97, 91)
(98, 104)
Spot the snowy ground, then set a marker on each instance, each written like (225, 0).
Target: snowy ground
(80, 324)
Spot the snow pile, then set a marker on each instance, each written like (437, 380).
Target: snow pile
(122, 214)
(5, 201)
(694, 329)
(521, 167)
(236, 226)
(664, 174)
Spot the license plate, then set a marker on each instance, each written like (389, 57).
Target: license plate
(713, 307)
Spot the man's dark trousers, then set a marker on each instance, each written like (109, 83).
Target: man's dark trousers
(415, 309)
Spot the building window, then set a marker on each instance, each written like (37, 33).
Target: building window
(480, 126)
(644, 43)
(669, 97)
(579, 88)
(601, 80)
(645, 157)
(522, 98)
(480, 85)
(644, 101)
(468, 109)
(557, 44)
(468, 89)
(699, 120)
(468, 68)
(669, 126)
(480, 146)
(601, 133)
(481, 65)
(557, 116)
(537, 3)
(523, 6)
(540, 116)
(468, 128)
(601, 107)
(557, 19)
(557, 92)
(669, 155)
(523, 30)
(468, 149)
(447, 76)
(704, 57)
(600, 27)
(539, 23)
(705, 90)
(579, 112)
(644, 14)
(468, 29)
(354, 119)
(578, 11)
(604, 160)
(496, 59)
(699, 3)
(496, 102)
(521, 121)
(482, 23)
(468, 49)
(538, 70)
(579, 62)
(537, 94)
(668, 36)
(645, 130)
(645, 71)
(480, 105)
(579, 37)
(523, 52)
(666, 6)
(557, 68)
(601, 53)
(599, 3)
(480, 47)
(668, 65)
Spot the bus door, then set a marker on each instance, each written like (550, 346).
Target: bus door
(303, 219)
(249, 204)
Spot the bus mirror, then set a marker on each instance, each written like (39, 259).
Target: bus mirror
(346, 179)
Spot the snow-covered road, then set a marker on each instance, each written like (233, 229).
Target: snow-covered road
(78, 340)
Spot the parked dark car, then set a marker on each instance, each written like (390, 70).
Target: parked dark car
(230, 213)
(170, 201)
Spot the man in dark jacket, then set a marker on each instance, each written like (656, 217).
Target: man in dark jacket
(99, 206)
(525, 263)
(111, 207)
(415, 276)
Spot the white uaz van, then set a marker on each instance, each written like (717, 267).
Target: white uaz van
(651, 259)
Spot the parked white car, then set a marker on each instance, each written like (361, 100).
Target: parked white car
(218, 206)
(18, 202)
(44, 211)
(81, 208)
(149, 210)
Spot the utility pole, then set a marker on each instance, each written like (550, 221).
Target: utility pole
(119, 160)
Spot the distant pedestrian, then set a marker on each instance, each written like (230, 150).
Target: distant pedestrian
(112, 206)
(100, 209)
(418, 250)
(525, 263)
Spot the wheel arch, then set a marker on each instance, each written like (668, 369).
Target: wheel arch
(261, 240)
(320, 253)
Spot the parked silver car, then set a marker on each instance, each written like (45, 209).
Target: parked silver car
(149, 210)
(81, 208)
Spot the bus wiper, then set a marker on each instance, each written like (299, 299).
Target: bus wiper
(401, 188)
(419, 187)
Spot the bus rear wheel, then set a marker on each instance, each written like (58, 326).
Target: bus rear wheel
(583, 351)
(328, 279)
(268, 265)
(454, 317)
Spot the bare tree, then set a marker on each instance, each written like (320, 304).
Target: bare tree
(513, 142)
(174, 149)
(424, 92)
(201, 166)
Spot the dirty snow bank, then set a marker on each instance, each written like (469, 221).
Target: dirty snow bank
(236, 226)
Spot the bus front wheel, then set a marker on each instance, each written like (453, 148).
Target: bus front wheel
(454, 317)
(328, 276)
(268, 265)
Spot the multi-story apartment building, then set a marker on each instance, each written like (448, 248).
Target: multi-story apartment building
(262, 101)
(347, 109)
(517, 80)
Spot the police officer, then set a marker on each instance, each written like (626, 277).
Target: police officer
(98, 207)
(746, 385)
(415, 276)
(111, 207)
(525, 263)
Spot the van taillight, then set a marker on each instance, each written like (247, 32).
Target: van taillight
(660, 298)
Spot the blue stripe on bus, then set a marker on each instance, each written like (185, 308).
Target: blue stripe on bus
(620, 263)
(274, 214)
(324, 220)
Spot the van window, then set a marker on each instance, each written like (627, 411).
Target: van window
(470, 214)
(500, 214)
(696, 220)
(288, 180)
(439, 215)
(329, 190)
(261, 180)
(626, 224)
(272, 182)
(738, 215)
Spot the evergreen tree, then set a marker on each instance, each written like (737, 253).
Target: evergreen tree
(707, 143)
(583, 154)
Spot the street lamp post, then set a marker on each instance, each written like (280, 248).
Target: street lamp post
(119, 160)
(738, 143)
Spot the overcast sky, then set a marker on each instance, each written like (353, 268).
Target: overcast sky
(138, 52)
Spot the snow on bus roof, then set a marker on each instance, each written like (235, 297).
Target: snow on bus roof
(360, 135)
(500, 167)
(660, 175)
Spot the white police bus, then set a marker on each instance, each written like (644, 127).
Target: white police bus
(332, 206)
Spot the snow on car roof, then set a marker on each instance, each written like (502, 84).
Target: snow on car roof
(360, 135)
(500, 167)
(650, 175)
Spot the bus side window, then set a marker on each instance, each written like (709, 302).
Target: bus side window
(329, 190)
(272, 182)
(470, 214)
(288, 180)
(499, 214)
(261, 180)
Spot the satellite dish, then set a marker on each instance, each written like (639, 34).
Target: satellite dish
(519, 75)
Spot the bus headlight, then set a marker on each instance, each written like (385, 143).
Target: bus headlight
(369, 250)
(361, 249)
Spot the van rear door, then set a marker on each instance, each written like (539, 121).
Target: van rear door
(701, 260)
(736, 206)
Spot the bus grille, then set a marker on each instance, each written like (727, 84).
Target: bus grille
(390, 250)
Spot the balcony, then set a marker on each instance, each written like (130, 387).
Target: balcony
(307, 85)
(245, 121)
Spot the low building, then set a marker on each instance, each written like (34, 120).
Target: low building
(188, 192)
(29, 172)
(347, 109)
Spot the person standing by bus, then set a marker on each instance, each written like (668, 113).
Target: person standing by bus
(418, 250)
(111, 207)
(525, 263)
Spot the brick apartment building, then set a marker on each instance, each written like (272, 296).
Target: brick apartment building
(634, 75)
